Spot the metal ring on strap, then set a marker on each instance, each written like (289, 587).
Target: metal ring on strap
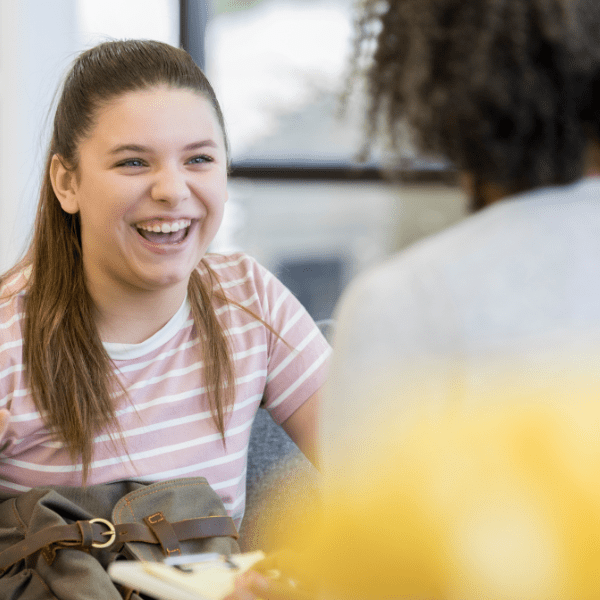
(111, 532)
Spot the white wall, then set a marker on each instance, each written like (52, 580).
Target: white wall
(37, 42)
(118, 19)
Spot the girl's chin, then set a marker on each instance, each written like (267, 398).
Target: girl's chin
(162, 281)
(159, 276)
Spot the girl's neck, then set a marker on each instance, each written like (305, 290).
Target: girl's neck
(133, 318)
(481, 193)
(593, 158)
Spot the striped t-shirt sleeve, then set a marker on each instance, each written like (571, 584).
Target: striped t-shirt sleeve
(298, 354)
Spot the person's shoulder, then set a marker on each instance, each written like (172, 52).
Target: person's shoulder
(12, 299)
(230, 267)
(409, 277)
(15, 281)
(582, 190)
(475, 235)
(12, 291)
(467, 251)
(507, 227)
(402, 269)
(238, 274)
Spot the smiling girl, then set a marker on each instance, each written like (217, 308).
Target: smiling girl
(127, 351)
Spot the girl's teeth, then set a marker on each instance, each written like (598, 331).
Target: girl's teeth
(166, 227)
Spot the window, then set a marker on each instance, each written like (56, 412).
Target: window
(278, 67)
(299, 202)
(119, 19)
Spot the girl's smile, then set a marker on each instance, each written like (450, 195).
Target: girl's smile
(164, 236)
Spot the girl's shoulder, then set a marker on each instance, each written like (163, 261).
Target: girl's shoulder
(12, 293)
(223, 264)
(12, 315)
(235, 270)
(242, 279)
(14, 281)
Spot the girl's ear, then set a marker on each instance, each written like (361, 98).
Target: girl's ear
(64, 183)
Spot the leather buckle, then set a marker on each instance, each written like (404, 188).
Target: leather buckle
(111, 532)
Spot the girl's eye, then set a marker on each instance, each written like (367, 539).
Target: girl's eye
(132, 162)
(197, 160)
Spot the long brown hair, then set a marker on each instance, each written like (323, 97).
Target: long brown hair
(69, 372)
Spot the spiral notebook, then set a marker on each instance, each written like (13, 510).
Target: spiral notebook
(192, 577)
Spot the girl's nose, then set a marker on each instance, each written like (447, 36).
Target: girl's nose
(170, 186)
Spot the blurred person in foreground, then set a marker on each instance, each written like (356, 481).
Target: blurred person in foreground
(499, 502)
(489, 314)
(504, 91)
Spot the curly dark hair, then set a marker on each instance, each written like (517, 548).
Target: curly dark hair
(495, 86)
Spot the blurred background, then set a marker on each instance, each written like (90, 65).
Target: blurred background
(300, 202)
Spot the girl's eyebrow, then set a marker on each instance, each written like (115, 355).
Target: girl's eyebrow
(130, 148)
(202, 144)
(147, 150)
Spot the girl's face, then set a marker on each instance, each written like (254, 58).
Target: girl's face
(150, 189)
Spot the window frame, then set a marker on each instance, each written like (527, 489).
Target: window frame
(193, 19)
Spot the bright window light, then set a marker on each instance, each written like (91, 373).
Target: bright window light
(127, 19)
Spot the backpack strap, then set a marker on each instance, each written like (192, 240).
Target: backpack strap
(164, 532)
(101, 533)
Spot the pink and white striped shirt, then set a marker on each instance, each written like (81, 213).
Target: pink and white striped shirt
(168, 428)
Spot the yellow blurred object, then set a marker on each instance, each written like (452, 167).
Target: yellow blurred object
(496, 502)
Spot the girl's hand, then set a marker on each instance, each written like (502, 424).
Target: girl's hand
(255, 586)
(249, 586)
(266, 580)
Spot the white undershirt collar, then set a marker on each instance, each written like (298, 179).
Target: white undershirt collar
(118, 351)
